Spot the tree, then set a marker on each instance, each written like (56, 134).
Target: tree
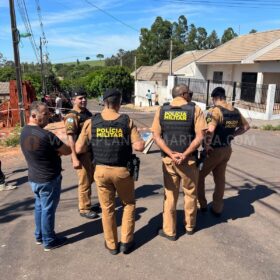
(128, 59)
(179, 35)
(201, 38)
(35, 80)
(228, 35)
(191, 38)
(212, 40)
(100, 56)
(7, 73)
(154, 43)
(110, 77)
(253, 31)
(197, 39)
(2, 59)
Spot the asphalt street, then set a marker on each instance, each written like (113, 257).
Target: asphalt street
(242, 244)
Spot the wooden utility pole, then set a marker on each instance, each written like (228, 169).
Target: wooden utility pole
(42, 68)
(170, 58)
(16, 38)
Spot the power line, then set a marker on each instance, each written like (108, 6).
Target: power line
(231, 4)
(44, 39)
(25, 18)
(258, 2)
(111, 16)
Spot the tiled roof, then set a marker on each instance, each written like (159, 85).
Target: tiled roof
(241, 47)
(145, 73)
(149, 73)
(271, 55)
(182, 60)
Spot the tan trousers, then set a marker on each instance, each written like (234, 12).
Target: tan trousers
(217, 163)
(85, 175)
(110, 180)
(173, 175)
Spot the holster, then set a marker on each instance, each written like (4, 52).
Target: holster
(200, 158)
(133, 167)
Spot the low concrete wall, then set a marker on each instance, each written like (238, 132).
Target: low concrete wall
(141, 89)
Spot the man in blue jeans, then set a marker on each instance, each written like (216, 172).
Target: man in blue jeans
(42, 151)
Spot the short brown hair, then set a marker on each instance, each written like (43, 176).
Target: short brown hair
(35, 105)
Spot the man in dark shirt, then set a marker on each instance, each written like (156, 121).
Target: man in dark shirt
(42, 151)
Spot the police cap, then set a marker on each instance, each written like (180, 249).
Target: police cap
(79, 92)
(218, 92)
(111, 92)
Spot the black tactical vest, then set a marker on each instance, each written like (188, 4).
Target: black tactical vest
(110, 141)
(82, 117)
(223, 134)
(177, 126)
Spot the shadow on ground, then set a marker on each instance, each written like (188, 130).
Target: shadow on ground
(236, 207)
(14, 210)
(95, 227)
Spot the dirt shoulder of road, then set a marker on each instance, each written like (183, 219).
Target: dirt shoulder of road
(139, 108)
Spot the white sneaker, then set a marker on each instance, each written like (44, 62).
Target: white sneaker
(4, 187)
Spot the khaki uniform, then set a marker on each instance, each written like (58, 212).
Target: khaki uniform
(216, 162)
(109, 180)
(85, 174)
(174, 175)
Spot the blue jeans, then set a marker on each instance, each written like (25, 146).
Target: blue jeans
(47, 196)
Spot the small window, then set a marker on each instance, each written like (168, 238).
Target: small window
(217, 77)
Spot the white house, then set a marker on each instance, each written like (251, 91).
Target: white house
(155, 77)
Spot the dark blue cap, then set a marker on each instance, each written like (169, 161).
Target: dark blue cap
(79, 92)
(218, 92)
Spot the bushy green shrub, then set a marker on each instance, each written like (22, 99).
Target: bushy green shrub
(271, 127)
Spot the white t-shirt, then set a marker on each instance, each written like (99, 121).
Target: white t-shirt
(58, 105)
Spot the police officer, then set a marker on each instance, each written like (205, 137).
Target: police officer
(224, 123)
(74, 122)
(178, 130)
(112, 136)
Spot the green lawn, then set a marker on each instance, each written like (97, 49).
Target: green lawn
(89, 62)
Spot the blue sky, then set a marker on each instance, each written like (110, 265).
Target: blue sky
(75, 29)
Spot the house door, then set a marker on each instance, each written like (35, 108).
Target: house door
(248, 86)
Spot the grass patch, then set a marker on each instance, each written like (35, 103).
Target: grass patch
(13, 139)
(89, 62)
(271, 127)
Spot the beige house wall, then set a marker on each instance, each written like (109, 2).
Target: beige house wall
(233, 72)
(192, 70)
(271, 78)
